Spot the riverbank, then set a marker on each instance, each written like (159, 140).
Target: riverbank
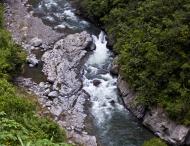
(62, 56)
(64, 71)
(22, 120)
(147, 62)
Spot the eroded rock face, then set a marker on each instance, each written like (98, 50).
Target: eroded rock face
(157, 120)
(96, 83)
(62, 63)
(115, 67)
(129, 99)
(62, 94)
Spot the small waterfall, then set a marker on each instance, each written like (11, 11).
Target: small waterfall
(104, 96)
(114, 125)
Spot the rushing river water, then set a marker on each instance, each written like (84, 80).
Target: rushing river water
(112, 124)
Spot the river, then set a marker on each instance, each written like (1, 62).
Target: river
(112, 124)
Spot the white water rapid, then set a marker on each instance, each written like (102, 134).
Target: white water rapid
(104, 96)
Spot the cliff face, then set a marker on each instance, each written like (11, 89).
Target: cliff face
(155, 118)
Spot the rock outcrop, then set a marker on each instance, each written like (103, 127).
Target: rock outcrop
(61, 94)
(157, 121)
(115, 67)
(129, 98)
(62, 63)
(155, 118)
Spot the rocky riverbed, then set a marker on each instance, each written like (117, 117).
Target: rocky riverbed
(62, 58)
(63, 66)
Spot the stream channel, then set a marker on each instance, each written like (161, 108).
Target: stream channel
(112, 124)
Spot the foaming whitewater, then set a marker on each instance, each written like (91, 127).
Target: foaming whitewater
(101, 53)
(104, 96)
(113, 124)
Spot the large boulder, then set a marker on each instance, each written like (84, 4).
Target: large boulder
(157, 120)
(62, 63)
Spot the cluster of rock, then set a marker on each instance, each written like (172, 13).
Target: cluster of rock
(62, 93)
(28, 31)
(154, 118)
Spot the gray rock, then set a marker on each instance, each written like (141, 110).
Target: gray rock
(46, 92)
(28, 47)
(32, 60)
(56, 110)
(32, 27)
(53, 94)
(115, 67)
(123, 86)
(157, 120)
(42, 84)
(36, 42)
(96, 83)
(48, 104)
(83, 139)
(62, 63)
(129, 99)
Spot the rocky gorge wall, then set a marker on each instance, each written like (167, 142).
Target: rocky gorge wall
(155, 118)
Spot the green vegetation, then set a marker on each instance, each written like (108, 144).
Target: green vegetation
(152, 38)
(11, 56)
(154, 142)
(19, 123)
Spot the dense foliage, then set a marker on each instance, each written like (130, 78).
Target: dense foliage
(154, 142)
(19, 123)
(152, 38)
